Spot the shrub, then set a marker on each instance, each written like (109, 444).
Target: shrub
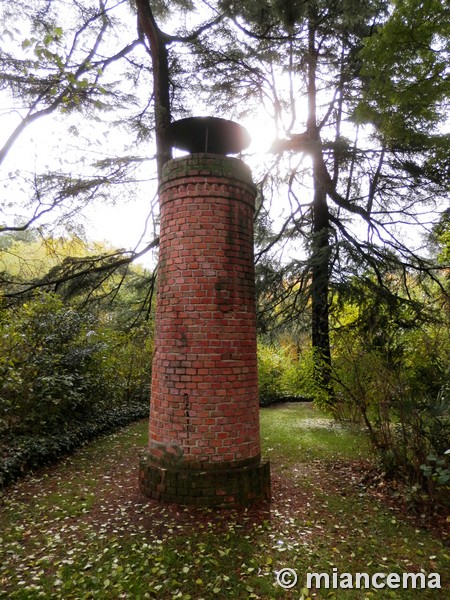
(271, 364)
(282, 376)
(60, 365)
(26, 453)
(395, 381)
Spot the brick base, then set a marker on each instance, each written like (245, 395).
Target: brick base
(218, 487)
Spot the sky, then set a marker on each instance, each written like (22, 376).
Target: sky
(46, 145)
(107, 222)
(124, 220)
(128, 220)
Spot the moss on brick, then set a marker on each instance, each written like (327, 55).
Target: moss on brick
(206, 165)
(221, 488)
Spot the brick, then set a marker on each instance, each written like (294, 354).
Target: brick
(204, 378)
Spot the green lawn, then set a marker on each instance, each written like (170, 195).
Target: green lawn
(80, 530)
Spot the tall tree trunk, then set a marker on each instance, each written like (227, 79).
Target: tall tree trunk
(320, 259)
(321, 249)
(157, 41)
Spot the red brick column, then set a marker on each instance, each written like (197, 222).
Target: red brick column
(204, 416)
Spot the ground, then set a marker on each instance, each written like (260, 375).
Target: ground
(81, 529)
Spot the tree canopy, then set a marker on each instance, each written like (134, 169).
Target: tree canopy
(357, 93)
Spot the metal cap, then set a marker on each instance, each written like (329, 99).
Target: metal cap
(208, 135)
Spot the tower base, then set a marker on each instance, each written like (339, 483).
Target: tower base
(221, 486)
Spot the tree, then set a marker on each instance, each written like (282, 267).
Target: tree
(158, 49)
(308, 55)
(406, 98)
(407, 86)
(441, 237)
(73, 70)
(349, 184)
(65, 68)
(74, 67)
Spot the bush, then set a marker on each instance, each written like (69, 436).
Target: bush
(66, 376)
(59, 365)
(282, 376)
(395, 379)
(271, 365)
(26, 453)
(43, 358)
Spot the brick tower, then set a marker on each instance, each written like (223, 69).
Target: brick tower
(204, 446)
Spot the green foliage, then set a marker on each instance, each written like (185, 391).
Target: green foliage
(438, 468)
(285, 374)
(59, 364)
(406, 65)
(73, 364)
(45, 350)
(441, 237)
(391, 368)
(391, 365)
(25, 453)
(271, 366)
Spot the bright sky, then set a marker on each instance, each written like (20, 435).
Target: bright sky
(127, 220)
(124, 219)
(122, 223)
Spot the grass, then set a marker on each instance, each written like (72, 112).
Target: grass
(299, 433)
(80, 530)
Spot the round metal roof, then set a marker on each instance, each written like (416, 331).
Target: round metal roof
(209, 135)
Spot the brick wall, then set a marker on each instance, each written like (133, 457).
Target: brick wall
(204, 400)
